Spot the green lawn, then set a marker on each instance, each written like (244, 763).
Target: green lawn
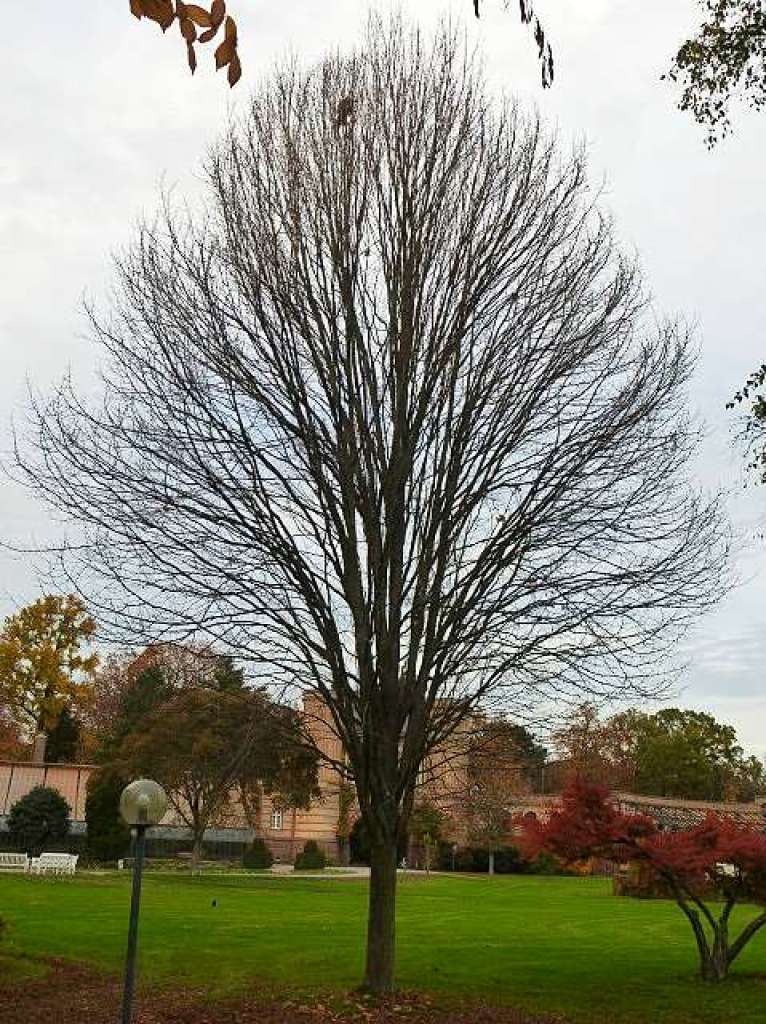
(556, 944)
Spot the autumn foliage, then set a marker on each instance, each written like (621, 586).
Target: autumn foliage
(709, 868)
(45, 663)
(190, 18)
(12, 746)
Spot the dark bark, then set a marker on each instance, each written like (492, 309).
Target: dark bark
(717, 954)
(744, 937)
(197, 850)
(381, 923)
(344, 851)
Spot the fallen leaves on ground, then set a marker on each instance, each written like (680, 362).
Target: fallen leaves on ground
(72, 994)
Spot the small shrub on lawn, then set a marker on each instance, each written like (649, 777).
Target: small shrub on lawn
(257, 856)
(39, 821)
(311, 857)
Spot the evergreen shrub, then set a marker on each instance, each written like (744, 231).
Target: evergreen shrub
(39, 821)
(257, 856)
(108, 835)
(312, 857)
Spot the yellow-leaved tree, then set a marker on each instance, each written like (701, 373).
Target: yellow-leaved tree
(45, 664)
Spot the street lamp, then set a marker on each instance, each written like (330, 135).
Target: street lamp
(143, 803)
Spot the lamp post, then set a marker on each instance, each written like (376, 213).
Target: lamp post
(143, 803)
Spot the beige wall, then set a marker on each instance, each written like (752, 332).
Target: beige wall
(18, 778)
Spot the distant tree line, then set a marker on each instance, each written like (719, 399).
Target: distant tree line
(672, 753)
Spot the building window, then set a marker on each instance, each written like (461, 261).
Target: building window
(276, 819)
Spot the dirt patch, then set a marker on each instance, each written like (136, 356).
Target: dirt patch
(70, 994)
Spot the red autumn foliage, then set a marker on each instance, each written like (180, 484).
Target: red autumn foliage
(719, 856)
(587, 825)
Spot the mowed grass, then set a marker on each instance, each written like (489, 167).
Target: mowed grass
(562, 945)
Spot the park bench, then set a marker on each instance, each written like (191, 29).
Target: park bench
(55, 863)
(14, 862)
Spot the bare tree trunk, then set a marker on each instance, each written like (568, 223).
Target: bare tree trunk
(381, 924)
(699, 935)
(716, 961)
(344, 851)
(197, 850)
(716, 966)
(714, 957)
(39, 747)
(491, 862)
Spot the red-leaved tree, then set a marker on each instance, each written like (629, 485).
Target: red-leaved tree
(709, 868)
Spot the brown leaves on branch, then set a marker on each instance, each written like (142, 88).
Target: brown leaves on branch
(544, 51)
(190, 18)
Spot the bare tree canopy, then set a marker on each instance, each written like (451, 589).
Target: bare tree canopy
(393, 420)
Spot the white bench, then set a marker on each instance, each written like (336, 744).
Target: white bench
(14, 862)
(55, 863)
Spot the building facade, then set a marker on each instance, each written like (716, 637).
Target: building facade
(449, 780)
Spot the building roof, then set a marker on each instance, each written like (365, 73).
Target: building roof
(670, 813)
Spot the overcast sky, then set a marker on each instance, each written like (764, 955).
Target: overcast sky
(100, 109)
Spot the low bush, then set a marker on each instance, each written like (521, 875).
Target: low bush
(508, 861)
(257, 856)
(311, 857)
(39, 821)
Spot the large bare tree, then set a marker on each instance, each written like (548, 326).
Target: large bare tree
(391, 418)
